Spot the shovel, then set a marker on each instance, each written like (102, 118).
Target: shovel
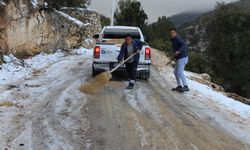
(169, 62)
(97, 83)
(119, 65)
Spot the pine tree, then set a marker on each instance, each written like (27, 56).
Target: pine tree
(229, 48)
(130, 13)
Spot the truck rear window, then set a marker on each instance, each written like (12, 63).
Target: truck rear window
(121, 33)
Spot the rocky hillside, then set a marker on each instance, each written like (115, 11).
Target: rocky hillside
(195, 31)
(29, 27)
(182, 18)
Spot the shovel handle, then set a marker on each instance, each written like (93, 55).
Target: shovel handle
(123, 62)
(170, 61)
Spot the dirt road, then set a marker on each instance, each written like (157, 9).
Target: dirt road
(55, 115)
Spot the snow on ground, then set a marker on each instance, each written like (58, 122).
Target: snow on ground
(141, 100)
(15, 69)
(34, 3)
(83, 51)
(209, 94)
(78, 9)
(74, 20)
(2, 3)
(231, 104)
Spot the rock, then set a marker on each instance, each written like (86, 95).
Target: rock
(12, 87)
(201, 80)
(19, 106)
(86, 16)
(26, 30)
(1, 56)
(239, 98)
(206, 76)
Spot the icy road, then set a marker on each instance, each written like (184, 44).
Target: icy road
(49, 112)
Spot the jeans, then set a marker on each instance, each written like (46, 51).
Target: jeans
(179, 71)
(132, 71)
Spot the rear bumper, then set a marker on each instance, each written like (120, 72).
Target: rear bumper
(97, 66)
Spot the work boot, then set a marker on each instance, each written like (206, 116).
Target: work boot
(186, 88)
(130, 86)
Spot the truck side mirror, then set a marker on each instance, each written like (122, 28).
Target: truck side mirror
(145, 38)
(96, 36)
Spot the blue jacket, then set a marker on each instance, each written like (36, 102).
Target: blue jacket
(137, 44)
(179, 45)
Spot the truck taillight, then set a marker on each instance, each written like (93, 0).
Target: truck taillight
(147, 53)
(97, 52)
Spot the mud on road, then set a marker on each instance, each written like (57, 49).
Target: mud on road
(56, 115)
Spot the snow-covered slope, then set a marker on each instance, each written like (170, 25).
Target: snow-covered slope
(15, 69)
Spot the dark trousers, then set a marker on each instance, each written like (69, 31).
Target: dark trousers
(132, 70)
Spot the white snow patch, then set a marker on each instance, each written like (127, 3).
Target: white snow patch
(88, 144)
(149, 104)
(74, 20)
(230, 104)
(6, 121)
(25, 138)
(130, 97)
(78, 9)
(58, 141)
(142, 132)
(141, 103)
(34, 3)
(89, 41)
(42, 60)
(88, 53)
(2, 3)
(15, 69)
(5, 95)
(209, 94)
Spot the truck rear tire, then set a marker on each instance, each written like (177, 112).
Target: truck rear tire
(145, 75)
(94, 72)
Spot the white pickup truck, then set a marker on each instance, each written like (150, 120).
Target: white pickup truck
(108, 46)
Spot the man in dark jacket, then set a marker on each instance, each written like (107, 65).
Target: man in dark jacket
(181, 56)
(129, 47)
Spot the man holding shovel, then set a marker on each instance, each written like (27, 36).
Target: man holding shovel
(128, 48)
(181, 56)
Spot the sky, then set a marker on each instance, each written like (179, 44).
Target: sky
(156, 8)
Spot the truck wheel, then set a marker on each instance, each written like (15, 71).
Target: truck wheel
(145, 75)
(94, 72)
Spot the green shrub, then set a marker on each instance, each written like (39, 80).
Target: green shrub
(197, 63)
(161, 45)
(229, 48)
(105, 21)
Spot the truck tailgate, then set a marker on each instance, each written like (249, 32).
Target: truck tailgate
(109, 52)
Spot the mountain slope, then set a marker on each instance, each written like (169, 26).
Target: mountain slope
(195, 31)
(182, 18)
